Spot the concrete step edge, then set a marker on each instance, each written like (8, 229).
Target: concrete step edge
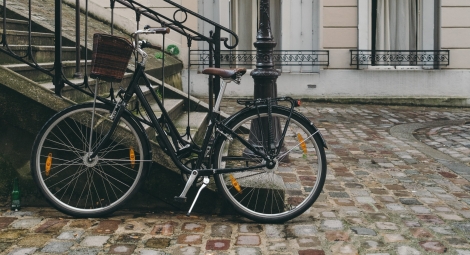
(18, 21)
(20, 67)
(40, 47)
(25, 33)
(91, 81)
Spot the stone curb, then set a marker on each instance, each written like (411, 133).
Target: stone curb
(405, 132)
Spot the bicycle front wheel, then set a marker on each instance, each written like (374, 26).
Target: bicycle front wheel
(285, 191)
(72, 183)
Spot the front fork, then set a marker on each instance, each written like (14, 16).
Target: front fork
(115, 114)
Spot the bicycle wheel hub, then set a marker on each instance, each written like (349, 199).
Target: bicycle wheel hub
(272, 164)
(90, 162)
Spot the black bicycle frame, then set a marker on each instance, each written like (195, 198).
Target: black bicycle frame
(162, 139)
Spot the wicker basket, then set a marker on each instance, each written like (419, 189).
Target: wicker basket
(110, 57)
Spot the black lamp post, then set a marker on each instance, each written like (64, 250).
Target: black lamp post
(265, 77)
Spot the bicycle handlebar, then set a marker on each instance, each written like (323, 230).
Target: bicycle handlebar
(153, 30)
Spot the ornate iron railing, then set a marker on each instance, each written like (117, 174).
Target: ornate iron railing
(434, 58)
(213, 39)
(4, 47)
(248, 58)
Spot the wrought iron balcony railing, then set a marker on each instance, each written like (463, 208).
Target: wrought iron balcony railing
(248, 58)
(434, 58)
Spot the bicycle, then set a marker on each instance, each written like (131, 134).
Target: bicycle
(267, 160)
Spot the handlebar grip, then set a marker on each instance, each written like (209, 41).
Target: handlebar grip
(160, 30)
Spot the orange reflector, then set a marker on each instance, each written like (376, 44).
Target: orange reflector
(303, 146)
(235, 184)
(48, 164)
(132, 156)
(298, 103)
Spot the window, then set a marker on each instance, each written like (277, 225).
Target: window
(294, 27)
(395, 31)
(396, 24)
(244, 22)
(399, 33)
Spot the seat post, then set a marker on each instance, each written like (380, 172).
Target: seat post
(223, 86)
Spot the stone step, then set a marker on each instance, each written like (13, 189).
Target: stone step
(174, 107)
(68, 68)
(16, 37)
(79, 97)
(10, 14)
(41, 54)
(198, 122)
(15, 24)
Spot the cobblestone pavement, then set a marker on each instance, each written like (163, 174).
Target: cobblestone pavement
(384, 194)
(452, 140)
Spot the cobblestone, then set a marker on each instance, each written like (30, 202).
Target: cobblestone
(57, 247)
(384, 194)
(363, 231)
(25, 223)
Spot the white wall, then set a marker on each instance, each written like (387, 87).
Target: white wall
(352, 83)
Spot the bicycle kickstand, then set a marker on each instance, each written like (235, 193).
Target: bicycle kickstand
(204, 184)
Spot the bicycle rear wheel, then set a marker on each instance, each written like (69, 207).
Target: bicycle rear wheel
(292, 186)
(72, 183)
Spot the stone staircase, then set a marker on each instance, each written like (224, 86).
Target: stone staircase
(37, 86)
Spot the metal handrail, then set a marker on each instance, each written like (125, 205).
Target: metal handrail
(28, 58)
(178, 26)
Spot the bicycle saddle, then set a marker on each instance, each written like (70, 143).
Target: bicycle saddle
(225, 73)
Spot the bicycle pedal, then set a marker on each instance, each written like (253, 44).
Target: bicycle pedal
(180, 199)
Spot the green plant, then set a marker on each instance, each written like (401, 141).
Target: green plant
(171, 49)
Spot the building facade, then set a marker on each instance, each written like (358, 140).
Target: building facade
(412, 51)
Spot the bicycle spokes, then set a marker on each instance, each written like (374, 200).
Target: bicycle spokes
(287, 180)
(74, 181)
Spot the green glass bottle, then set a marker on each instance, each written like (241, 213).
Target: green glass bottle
(15, 196)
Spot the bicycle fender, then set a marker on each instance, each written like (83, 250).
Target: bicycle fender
(325, 145)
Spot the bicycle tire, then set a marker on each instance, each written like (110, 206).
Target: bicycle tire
(80, 188)
(284, 192)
